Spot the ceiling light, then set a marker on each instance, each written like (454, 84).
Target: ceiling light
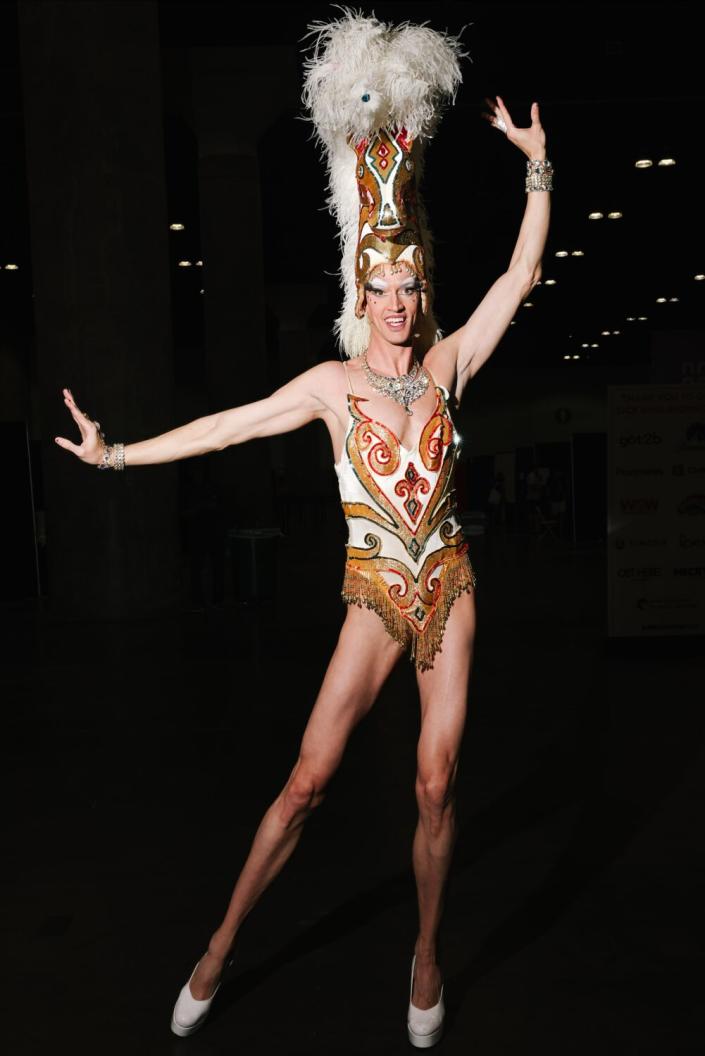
(643, 163)
(643, 318)
(631, 318)
(674, 298)
(667, 161)
(528, 304)
(12, 267)
(176, 227)
(699, 277)
(614, 216)
(561, 252)
(184, 263)
(576, 355)
(595, 345)
(596, 216)
(604, 333)
(616, 333)
(199, 263)
(566, 357)
(577, 253)
(550, 282)
(660, 300)
(584, 345)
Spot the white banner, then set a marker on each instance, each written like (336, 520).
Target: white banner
(656, 510)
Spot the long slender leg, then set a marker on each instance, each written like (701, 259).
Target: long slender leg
(443, 694)
(361, 662)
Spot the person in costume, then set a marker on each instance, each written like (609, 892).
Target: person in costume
(375, 93)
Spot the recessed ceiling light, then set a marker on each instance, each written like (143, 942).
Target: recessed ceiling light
(576, 355)
(595, 345)
(584, 345)
(643, 318)
(577, 253)
(604, 333)
(674, 298)
(561, 252)
(184, 263)
(176, 227)
(660, 300)
(12, 267)
(667, 161)
(699, 277)
(199, 263)
(550, 282)
(616, 333)
(616, 215)
(643, 163)
(528, 304)
(566, 357)
(596, 216)
(631, 318)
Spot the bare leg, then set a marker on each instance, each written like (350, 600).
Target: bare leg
(363, 658)
(443, 693)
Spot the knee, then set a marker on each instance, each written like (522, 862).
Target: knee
(302, 792)
(435, 792)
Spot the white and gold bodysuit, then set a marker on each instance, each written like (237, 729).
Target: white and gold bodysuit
(407, 558)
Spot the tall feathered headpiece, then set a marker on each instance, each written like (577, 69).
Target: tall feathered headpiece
(375, 94)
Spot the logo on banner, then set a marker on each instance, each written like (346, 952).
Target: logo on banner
(687, 541)
(639, 573)
(621, 544)
(681, 469)
(639, 471)
(665, 603)
(647, 504)
(694, 437)
(692, 505)
(639, 439)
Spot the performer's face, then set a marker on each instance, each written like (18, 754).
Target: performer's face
(392, 303)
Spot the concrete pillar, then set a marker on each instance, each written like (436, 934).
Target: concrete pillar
(236, 94)
(99, 239)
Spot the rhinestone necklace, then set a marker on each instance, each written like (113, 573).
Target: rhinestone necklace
(405, 388)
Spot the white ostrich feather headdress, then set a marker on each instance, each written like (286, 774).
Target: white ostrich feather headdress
(375, 94)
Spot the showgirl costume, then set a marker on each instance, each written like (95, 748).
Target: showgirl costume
(375, 94)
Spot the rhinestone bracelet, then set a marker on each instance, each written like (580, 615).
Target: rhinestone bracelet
(107, 461)
(539, 175)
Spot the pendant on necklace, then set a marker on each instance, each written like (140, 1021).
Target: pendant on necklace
(404, 389)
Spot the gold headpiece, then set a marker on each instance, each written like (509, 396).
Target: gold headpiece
(378, 89)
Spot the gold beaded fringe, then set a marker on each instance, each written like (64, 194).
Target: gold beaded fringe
(362, 590)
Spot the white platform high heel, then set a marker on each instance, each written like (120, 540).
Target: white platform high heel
(190, 1012)
(424, 1025)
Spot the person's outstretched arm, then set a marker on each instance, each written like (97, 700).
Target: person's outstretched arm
(295, 404)
(472, 345)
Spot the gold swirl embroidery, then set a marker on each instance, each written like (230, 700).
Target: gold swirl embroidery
(439, 505)
(384, 454)
(432, 447)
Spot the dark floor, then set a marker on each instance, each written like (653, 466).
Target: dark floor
(139, 770)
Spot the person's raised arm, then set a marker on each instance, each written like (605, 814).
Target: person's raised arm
(469, 347)
(293, 405)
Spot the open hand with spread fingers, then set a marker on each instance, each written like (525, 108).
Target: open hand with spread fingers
(531, 141)
(92, 444)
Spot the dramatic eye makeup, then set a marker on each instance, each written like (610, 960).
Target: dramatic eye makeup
(410, 287)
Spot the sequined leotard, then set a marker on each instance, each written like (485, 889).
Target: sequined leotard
(407, 558)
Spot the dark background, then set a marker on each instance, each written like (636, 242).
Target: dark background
(166, 630)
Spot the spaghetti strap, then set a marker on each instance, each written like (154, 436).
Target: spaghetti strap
(348, 377)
